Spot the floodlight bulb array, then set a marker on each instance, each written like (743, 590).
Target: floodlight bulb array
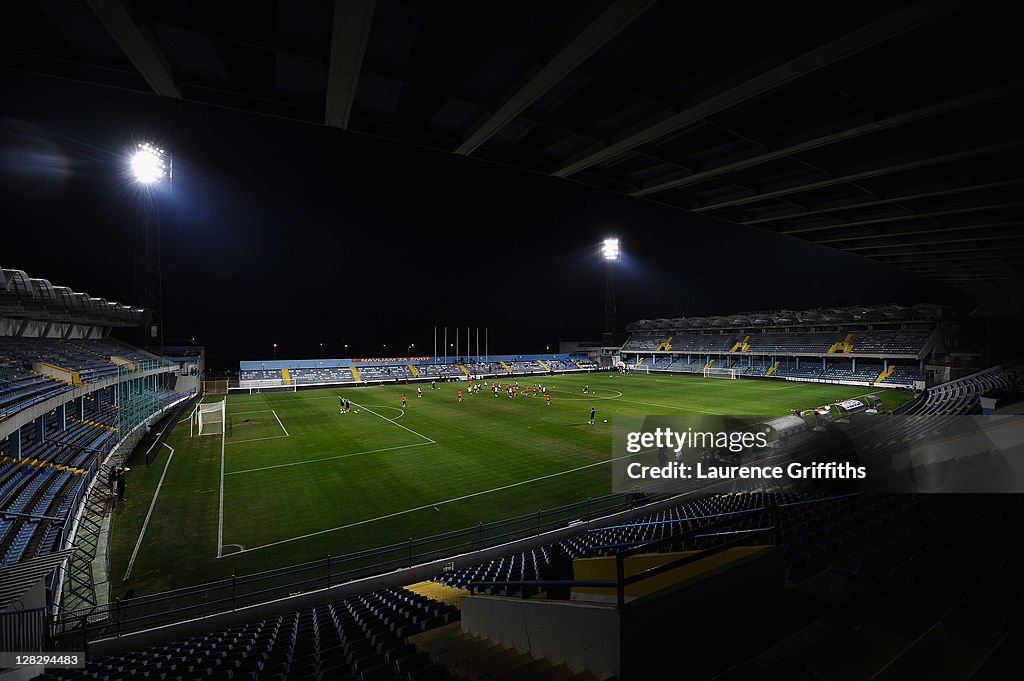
(149, 164)
(610, 249)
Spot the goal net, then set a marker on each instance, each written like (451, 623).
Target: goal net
(293, 388)
(215, 387)
(720, 372)
(211, 418)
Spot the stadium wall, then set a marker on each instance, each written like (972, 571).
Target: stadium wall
(258, 365)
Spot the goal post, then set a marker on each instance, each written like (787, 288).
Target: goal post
(258, 390)
(720, 372)
(211, 417)
(219, 387)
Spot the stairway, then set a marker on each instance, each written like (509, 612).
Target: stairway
(355, 373)
(287, 376)
(414, 370)
(466, 371)
(844, 346)
(742, 345)
(507, 367)
(477, 659)
(885, 373)
(544, 364)
(442, 593)
(665, 344)
(79, 585)
(772, 369)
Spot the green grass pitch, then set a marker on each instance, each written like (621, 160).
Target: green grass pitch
(301, 481)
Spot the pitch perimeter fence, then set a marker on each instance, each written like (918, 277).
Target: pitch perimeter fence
(125, 616)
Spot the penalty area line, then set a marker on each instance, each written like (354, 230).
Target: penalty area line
(433, 505)
(149, 513)
(279, 422)
(329, 458)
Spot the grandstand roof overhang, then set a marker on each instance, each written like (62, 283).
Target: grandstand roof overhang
(37, 300)
(922, 314)
(861, 131)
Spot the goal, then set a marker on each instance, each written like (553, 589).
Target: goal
(720, 372)
(257, 390)
(215, 387)
(211, 418)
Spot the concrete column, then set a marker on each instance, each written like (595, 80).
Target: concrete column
(39, 428)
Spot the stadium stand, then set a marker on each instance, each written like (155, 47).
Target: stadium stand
(385, 373)
(644, 341)
(890, 343)
(42, 482)
(304, 373)
(784, 335)
(73, 402)
(902, 375)
(362, 637)
(20, 388)
(322, 375)
(889, 572)
(963, 395)
(261, 375)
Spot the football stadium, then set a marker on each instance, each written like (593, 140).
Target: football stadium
(382, 340)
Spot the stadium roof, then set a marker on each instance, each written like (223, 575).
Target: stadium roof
(27, 298)
(891, 132)
(924, 313)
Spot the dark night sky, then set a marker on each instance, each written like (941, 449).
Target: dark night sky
(278, 231)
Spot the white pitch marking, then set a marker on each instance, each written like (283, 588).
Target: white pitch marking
(681, 409)
(145, 523)
(433, 505)
(394, 421)
(401, 412)
(258, 439)
(279, 423)
(328, 458)
(220, 514)
(589, 398)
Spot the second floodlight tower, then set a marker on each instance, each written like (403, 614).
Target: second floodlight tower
(610, 253)
(150, 168)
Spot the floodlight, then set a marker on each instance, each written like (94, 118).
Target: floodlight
(149, 164)
(610, 249)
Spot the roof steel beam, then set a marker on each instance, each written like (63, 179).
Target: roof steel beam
(908, 196)
(616, 17)
(872, 34)
(887, 168)
(138, 45)
(897, 218)
(837, 136)
(349, 35)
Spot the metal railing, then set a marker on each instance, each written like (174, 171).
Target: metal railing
(124, 616)
(622, 581)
